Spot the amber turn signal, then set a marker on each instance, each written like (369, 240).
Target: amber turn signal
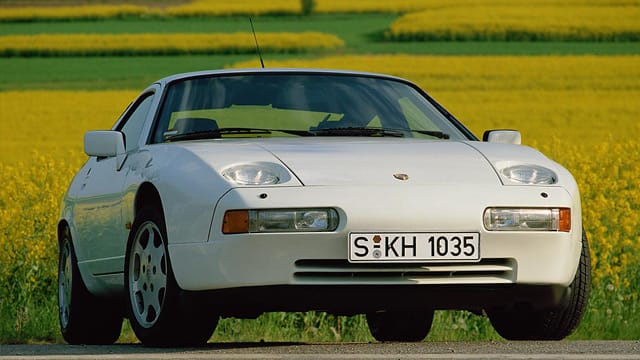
(564, 224)
(235, 222)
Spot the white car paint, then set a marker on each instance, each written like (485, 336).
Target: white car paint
(449, 186)
(454, 181)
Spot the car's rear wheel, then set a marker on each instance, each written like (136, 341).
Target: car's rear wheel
(84, 318)
(400, 325)
(156, 313)
(552, 324)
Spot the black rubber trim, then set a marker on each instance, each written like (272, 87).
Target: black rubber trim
(358, 299)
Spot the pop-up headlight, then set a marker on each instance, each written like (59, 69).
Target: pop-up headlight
(530, 174)
(254, 174)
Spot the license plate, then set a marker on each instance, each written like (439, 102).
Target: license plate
(411, 247)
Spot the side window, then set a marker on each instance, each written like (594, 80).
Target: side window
(132, 126)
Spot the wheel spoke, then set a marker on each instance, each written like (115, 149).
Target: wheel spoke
(154, 301)
(157, 258)
(140, 307)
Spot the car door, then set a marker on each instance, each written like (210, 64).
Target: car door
(99, 206)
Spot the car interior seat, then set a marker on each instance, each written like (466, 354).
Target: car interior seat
(190, 125)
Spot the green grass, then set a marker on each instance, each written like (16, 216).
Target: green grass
(110, 73)
(98, 73)
(350, 26)
(22, 322)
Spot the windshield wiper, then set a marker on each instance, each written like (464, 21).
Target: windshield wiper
(342, 131)
(217, 133)
(358, 131)
(366, 131)
(436, 134)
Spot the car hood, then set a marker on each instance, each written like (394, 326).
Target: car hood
(368, 161)
(334, 161)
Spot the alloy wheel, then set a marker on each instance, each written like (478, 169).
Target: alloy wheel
(148, 274)
(65, 283)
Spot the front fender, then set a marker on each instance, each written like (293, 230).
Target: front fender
(189, 190)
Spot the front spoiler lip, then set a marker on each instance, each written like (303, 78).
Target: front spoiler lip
(359, 299)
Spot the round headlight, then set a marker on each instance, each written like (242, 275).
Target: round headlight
(530, 174)
(252, 174)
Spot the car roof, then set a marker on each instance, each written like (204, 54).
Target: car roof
(243, 71)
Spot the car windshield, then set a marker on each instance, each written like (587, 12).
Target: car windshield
(292, 104)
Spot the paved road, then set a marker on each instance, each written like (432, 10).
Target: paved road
(582, 350)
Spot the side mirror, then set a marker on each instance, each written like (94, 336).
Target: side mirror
(104, 143)
(502, 136)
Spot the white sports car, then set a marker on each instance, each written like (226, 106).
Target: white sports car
(233, 193)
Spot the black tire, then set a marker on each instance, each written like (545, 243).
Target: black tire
(554, 324)
(84, 318)
(400, 325)
(149, 277)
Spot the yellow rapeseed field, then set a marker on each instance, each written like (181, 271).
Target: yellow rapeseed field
(40, 150)
(614, 23)
(404, 6)
(235, 7)
(37, 13)
(190, 9)
(198, 8)
(579, 110)
(47, 122)
(136, 44)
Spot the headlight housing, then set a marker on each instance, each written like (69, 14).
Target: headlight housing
(530, 174)
(279, 220)
(255, 174)
(513, 219)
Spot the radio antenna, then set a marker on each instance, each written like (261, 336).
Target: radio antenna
(253, 30)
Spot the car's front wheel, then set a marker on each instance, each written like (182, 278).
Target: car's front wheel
(84, 318)
(400, 325)
(156, 313)
(552, 324)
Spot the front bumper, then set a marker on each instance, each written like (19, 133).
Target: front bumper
(320, 259)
